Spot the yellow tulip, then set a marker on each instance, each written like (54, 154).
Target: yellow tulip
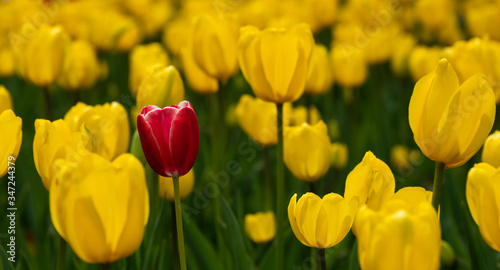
(412, 196)
(275, 61)
(320, 74)
(483, 198)
(55, 140)
(106, 125)
(307, 151)
(401, 236)
(483, 19)
(449, 121)
(10, 139)
(301, 115)
(5, 99)
(261, 226)
(44, 55)
(214, 43)
(81, 66)
(320, 13)
(7, 58)
(166, 186)
(142, 57)
(100, 207)
(340, 155)
(175, 35)
(321, 222)
(349, 67)
(401, 54)
(161, 86)
(423, 60)
(491, 150)
(434, 14)
(371, 181)
(258, 119)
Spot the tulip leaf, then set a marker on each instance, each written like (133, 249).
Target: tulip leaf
(200, 246)
(5, 265)
(234, 239)
(353, 257)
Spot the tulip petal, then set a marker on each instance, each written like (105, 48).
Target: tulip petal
(489, 212)
(293, 220)
(307, 211)
(476, 179)
(184, 140)
(150, 146)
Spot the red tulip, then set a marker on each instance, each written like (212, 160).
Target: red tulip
(169, 138)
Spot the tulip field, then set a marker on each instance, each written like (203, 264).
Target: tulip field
(249, 134)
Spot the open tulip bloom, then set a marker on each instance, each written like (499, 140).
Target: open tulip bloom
(170, 139)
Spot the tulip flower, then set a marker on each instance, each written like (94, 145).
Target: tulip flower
(422, 60)
(401, 53)
(371, 181)
(260, 227)
(175, 35)
(197, 79)
(320, 75)
(80, 68)
(449, 121)
(307, 151)
(106, 125)
(166, 186)
(10, 138)
(161, 86)
(100, 207)
(349, 67)
(142, 57)
(339, 155)
(55, 140)
(258, 119)
(481, 19)
(275, 62)
(491, 150)
(5, 99)
(401, 235)
(44, 55)
(169, 138)
(483, 198)
(214, 44)
(301, 115)
(7, 58)
(321, 222)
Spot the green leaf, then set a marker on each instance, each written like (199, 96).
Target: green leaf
(6, 264)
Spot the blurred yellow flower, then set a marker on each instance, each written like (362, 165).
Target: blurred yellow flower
(7, 58)
(258, 119)
(175, 35)
(400, 158)
(10, 139)
(307, 151)
(261, 226)
(106, 126)
(340, 155)
(371, 181)
(401, 54)
(491, 150)
(166, 186)
(450, 122)
(100, 207)
(321, 222)
(319, 13)
(141, 58)
(80, 68)
(275, 61)
(320, 74)
(349, 66)
(483, 18)
(301, 115)
(423, 60)
(5, 99)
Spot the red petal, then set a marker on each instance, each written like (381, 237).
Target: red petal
(184, 138)
(150, 145)
(149, 108)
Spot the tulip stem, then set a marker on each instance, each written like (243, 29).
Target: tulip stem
(438, 185)
(322, 259)
(48, 103)
(61, 258)
(280, 185)
(178, 217)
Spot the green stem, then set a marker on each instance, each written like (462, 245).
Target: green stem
(178, 217)
(438, 185)
(280, 186)
(61, 258)
(268, 185)
(174, 235)
(48, 103)
(322, 259)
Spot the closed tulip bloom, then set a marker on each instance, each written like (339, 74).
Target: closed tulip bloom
(162, 86)
(81, 66)
(142, 57)
(169, 138)
(260, 227)
(175, 35)
(307, 151)
(483, 198)
(100, 207)
(214, 43)
(166, 186)
(106, 125)
(320, 77)
(401, 236)
(371, 181)
(450, 122)
(340, 155)
(55, 140)
(10, 139)
(5, 99)
(196, 78)
(491, 150)
(321, 222)
(44, 55)
(301, 115)
(349, 67)
(257, 118)
(275, 62)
